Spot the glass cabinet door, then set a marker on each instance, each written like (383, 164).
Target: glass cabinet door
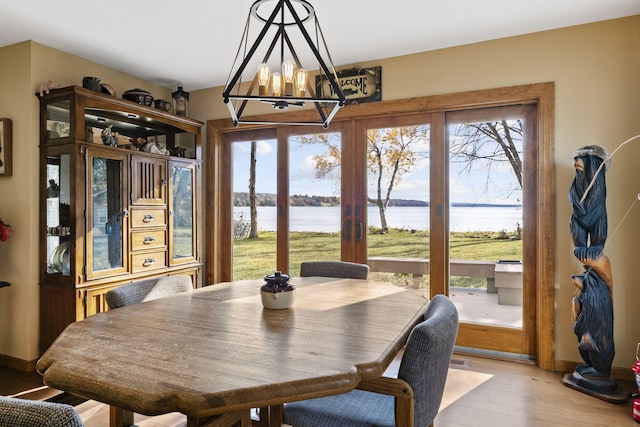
(58, 120)
(182, 212)
(58, 213)
(107, 214)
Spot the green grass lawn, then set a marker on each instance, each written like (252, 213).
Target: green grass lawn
(255, 258)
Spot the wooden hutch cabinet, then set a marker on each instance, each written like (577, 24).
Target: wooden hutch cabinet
(112, 214)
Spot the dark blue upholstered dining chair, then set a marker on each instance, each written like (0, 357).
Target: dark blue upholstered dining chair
(148, 290)
(342, 269)
(412, 399)
(16, 412)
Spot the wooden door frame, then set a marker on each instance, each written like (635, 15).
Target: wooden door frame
(217, 256)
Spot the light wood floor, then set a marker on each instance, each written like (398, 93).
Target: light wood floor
(479, 392)
(497, 393)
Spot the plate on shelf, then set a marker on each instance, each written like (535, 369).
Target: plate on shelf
(60, 258)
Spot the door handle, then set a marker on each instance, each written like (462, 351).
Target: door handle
(359, 230)
(346, 230)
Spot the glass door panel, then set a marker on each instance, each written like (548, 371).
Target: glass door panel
(315, 172)
(58, 216)
(398, 168)
(485, 182)
(182, 210)
(106, 230)
(254, 217)
(58, 116)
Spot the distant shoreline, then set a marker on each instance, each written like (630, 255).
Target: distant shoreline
(241, 199)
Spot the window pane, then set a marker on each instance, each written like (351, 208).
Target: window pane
(485, 186)
(254, 209)
(314, 198)
(106, 197)
(398, 212)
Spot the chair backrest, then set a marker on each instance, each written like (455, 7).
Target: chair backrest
(427, 356)
(32, 413)
(148, 290)
(342, 269)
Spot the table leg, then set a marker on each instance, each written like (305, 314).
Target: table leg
(276, 415)
(272, 416)
(120, 417)
(230, 419)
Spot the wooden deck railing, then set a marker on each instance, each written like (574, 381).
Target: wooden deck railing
(505, 278)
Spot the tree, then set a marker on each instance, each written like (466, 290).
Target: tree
(489, 142)
(391, 152)
(252, 192)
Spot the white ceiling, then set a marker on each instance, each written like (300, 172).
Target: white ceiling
(194, 42)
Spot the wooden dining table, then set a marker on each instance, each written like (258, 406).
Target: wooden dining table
(216, 350)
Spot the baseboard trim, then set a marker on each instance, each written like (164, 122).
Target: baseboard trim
(19, 364)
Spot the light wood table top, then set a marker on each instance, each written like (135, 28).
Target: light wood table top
(216, 350)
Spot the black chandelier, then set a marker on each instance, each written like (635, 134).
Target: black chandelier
(289, 85)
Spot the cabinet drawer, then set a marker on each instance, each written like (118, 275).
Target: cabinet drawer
(148, 261)
(148, 239)
(148, 217)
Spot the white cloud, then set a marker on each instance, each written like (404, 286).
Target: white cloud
(264, 148)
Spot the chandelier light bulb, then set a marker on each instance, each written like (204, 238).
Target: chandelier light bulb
(301, 82)
(263, 78)
(288, 71)
(276, 84)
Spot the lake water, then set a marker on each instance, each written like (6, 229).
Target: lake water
(327, 219)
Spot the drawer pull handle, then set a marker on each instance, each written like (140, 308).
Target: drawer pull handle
(149, 262)
(149, 240)
(148, 218)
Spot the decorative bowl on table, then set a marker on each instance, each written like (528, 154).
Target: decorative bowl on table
(277, 293)
(138, 95)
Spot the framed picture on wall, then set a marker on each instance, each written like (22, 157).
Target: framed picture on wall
(5, 147)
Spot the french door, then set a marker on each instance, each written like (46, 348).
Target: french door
(413, 224)
(284, 196)
(451, 211)
(385, 192)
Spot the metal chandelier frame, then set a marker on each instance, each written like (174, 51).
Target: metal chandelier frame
(326, 105)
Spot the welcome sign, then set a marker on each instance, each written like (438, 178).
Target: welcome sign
(358, 85)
